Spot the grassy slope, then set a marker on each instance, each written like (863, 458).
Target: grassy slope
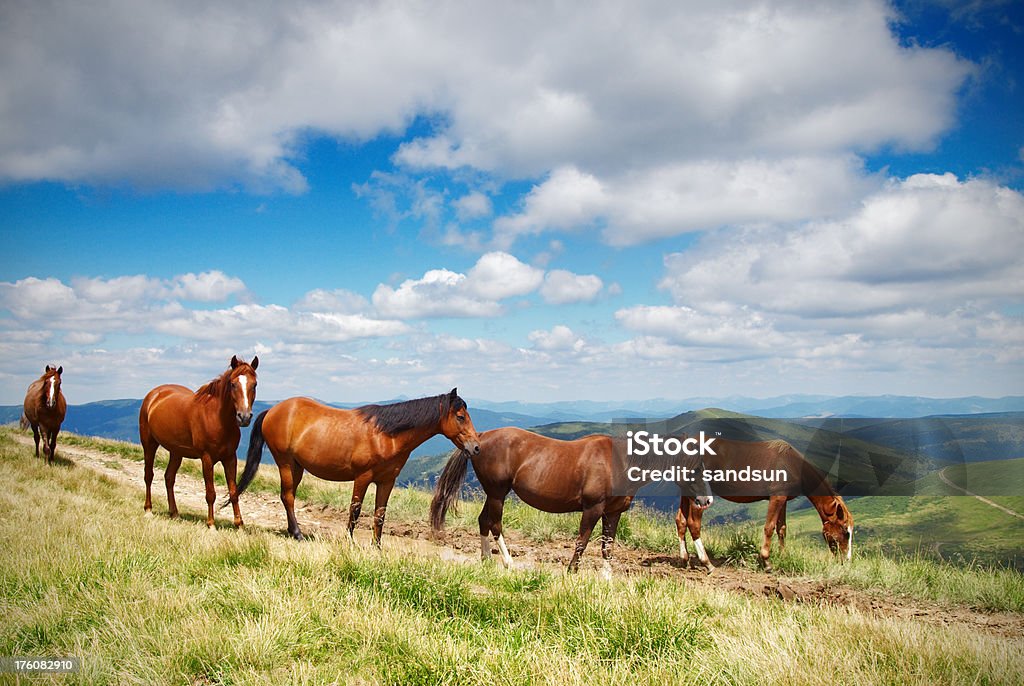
(156, 601)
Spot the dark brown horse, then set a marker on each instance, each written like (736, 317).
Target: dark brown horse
(584, 475)
(803, 478)
(44, 410)
(201, 425)
(366, 445)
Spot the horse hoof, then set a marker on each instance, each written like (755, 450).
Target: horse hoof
(710, 569)
(149, 514)
(211, 527)
(298, 536)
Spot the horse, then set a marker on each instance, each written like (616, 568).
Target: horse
(583, 475)
(769, 456)
(204, 425)
(365, 445)
(44, 410)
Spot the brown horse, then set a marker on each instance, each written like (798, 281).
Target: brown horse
(803, 478)
(44, 410)
(201, 425)
(584, 475)
(366, 445)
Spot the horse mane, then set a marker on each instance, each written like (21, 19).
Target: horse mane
(395, 418)
(779, 445)
(214, 387)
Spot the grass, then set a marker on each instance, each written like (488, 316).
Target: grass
(156, 601)
(894, 542)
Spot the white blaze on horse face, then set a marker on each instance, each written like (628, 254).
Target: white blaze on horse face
(243, 381)
(51, 399)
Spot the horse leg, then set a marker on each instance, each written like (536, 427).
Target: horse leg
(46, 444)
(35, 435)
(380, 507)
(291, 475)
(211, 491)
(775, 504)
(609, 525)
(780, 527)
(693, 523)
(587, 523)
(682, 518)
(490, 523)
(149, 454)
(230, 472)
(53, 444)
(359, 487)
(170, 474)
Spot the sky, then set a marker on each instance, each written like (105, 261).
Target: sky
(524, 200)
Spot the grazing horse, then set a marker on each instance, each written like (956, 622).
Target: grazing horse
(584, 475)
(368, 444)
(803, 478)
(201, 425)
(44, 410)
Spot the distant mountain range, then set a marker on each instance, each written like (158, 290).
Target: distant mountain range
(881, 436)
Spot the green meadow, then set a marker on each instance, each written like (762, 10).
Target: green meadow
(155, 601)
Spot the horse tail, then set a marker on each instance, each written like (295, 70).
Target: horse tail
(24, 422)
(446, 492)
(254, 455)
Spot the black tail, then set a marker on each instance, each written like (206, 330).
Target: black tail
(252, 457)
(446, 492)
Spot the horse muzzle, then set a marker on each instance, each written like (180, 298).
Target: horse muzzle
(471, 447)
(243, 418)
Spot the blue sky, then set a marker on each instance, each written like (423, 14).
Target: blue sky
(648, 200)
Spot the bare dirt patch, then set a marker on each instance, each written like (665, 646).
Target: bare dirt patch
(459, 545)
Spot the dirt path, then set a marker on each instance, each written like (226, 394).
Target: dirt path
(460, 545)
(1012, 513)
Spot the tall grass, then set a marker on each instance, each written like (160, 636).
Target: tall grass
(154, 601)
(874, 568)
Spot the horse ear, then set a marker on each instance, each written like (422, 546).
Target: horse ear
(234, 361)
(48, 369)
(255, 361)
(60, 369)
(454, 394)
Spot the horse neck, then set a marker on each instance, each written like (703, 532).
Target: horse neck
(821, 504)
(225, 407)
(410, 439)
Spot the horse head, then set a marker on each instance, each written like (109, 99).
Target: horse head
(243, 388)
(51, 385)
(456, 424)
(837, 530)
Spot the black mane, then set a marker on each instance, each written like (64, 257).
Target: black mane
(398, 417)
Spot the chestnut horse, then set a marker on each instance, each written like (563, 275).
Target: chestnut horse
(803, 478)
(201, 425)
(584, 475)
(365, 445)
(44, 410)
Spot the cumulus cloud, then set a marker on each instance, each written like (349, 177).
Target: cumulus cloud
(561, 287)
(214, 95)
(925, 264)
(495, 277)
(559, 338)
(90, 308)
(639, 206)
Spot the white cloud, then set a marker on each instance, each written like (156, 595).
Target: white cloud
(91, 308)
(473, 205)
(561, 287)
(664, 201)
(496, 276)
(203, 96)
(928, 242)
(559, 338)
(926, 267)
